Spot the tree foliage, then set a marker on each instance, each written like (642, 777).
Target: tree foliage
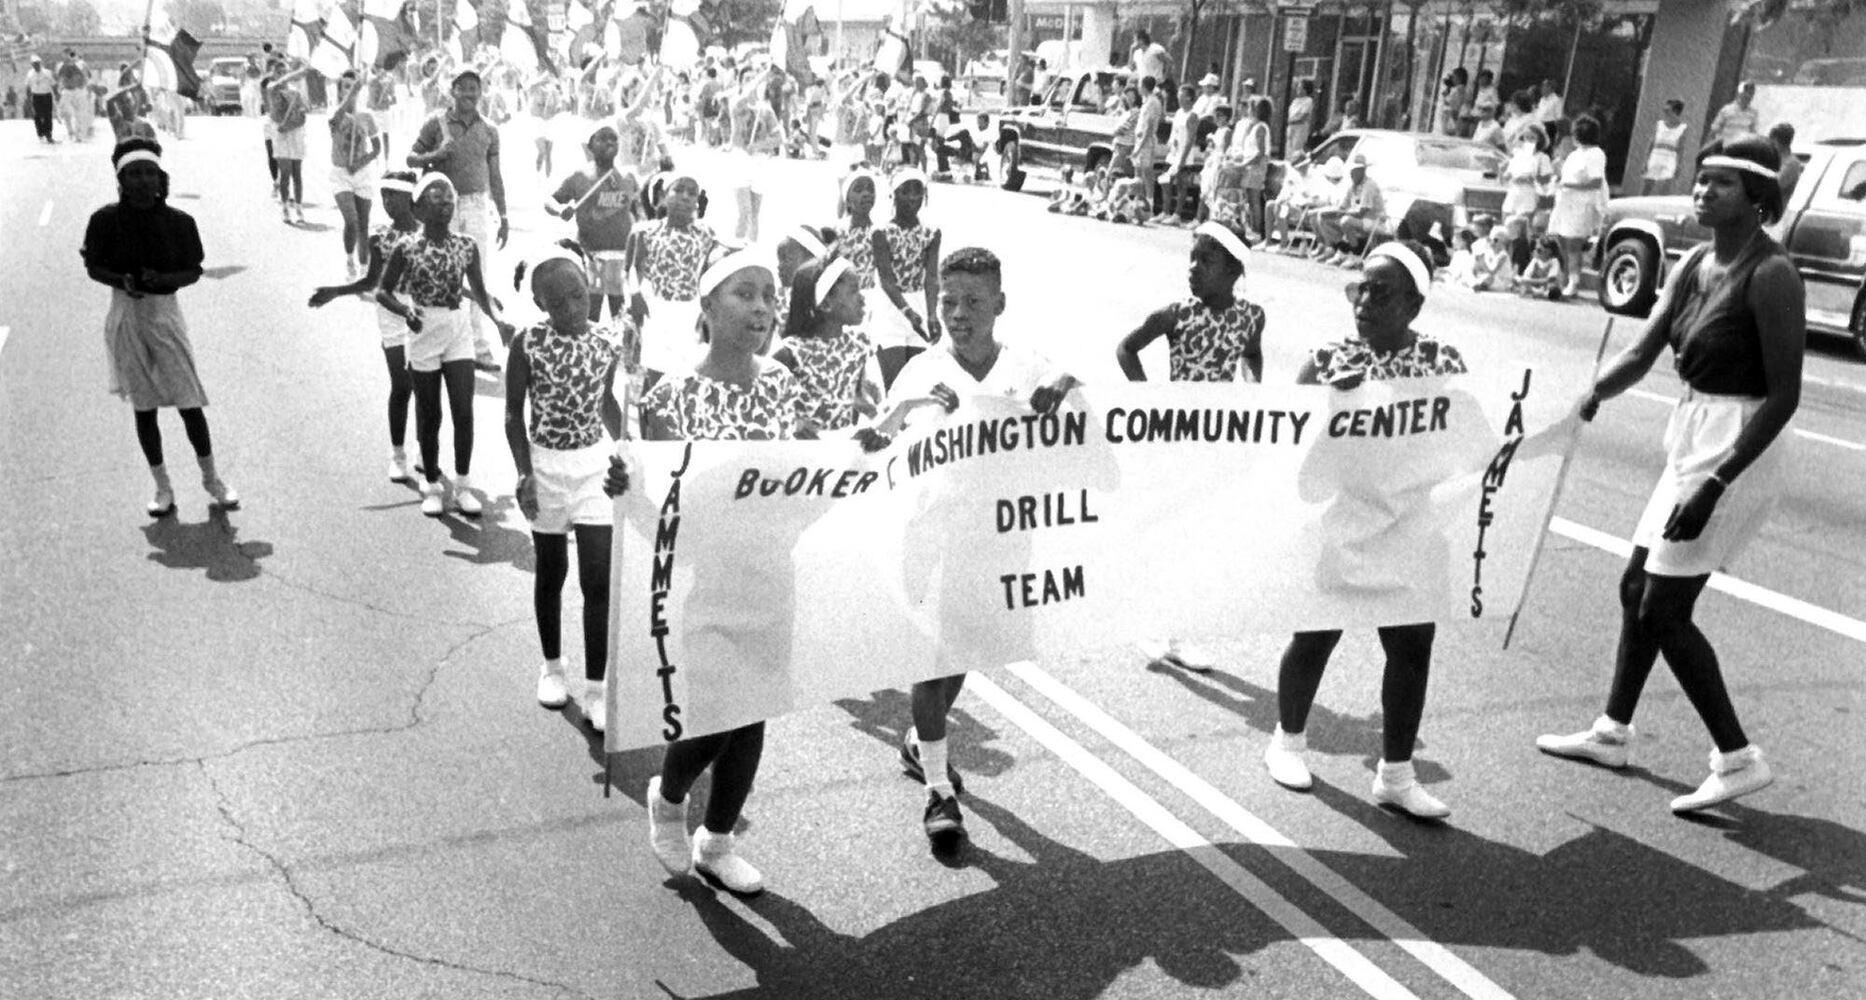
(78, 17)
(1763, 13)
(953, 35)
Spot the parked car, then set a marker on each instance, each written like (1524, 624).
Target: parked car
(1428, 180)
(222, 93)
(1823, 226)
(1066, 126)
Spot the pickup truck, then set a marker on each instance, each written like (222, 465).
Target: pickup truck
(1066, 126)
(1823, 226)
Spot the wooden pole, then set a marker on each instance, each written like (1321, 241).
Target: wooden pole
(1014, 54)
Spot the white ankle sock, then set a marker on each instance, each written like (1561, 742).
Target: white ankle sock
(1293, 742)
(208, 474)
(554, 666)
(160, 473)
(933, 762)
(1397, 775)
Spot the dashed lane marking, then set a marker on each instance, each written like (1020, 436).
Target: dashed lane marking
(1359, 969)
(1454, 970)
(45, 215)
(1809, 435)
(1742, 590)
(4, 330)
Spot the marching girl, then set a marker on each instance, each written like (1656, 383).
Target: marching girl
(145, 252)
(565, 367)
(1213, 336)
(798, 247)
(732, 394)
(435, 266)
(906, 264)
(398, 189)
(854, 238)
(666, 259)
(1733, 315)
(1386, 299)
(834, 363)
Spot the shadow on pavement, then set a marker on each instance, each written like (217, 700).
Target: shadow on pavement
(1061, 926)
(888, 716)
(1331, 733)
(206, 545)
(488, 542)
(1595, 893)
(217, 273)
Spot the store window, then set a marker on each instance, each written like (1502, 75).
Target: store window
(1810, 71)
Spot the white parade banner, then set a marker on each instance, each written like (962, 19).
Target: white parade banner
(752, 579)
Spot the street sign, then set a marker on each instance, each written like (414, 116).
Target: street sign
(1296, 33)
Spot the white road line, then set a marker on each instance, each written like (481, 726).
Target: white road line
(1810, 435)
(4, 330)
(1793, 607)
(1454, 970)
(45, 214)
(1370, 978)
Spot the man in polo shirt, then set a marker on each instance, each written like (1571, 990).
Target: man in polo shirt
(1736, 118)
(39, 87)
(465, 146)
(75, 101)
(1341, 231)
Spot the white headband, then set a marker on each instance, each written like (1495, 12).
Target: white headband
(396, 184)
(138, 156)
(732, 263)
(429, 180)
(554, 253)
(1738, 163)
(1406, 258)
(803, 237)
(832, 273)
(1225, 238)
(905, 176)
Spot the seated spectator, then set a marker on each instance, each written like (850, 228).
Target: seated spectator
(1462, 271)
(1306, 185)
(1543, 278)
(1491, 268)
(1357, 215)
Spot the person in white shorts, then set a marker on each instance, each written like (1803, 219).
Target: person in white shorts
(356, 168)
(440, 268)
(565, 368)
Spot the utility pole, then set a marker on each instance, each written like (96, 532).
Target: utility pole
(1014, 58)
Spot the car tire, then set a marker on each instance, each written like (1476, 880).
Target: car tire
(1858, 326)
(1010, 153)
(1629, 277)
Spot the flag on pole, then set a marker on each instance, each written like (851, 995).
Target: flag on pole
(522, 44)
(388, 35)
(336, 46)
(168, 55)
(793, 38)
(466, 31)
(686, 34)
(307, 25)
(628, 37)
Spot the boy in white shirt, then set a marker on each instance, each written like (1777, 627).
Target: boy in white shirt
(1183, 163)
(971, 363)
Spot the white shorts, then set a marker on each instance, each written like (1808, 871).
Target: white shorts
(361, 182)
(446, 335)
(608, 272)
(570, 488)
(1698, 439)
(393, 328)
(887, 325)
(670, 337)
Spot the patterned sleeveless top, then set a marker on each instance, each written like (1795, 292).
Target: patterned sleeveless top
(435, 276)
(908, 247)
(1352, 357)
(857, 244)
(694, 407)
(673, 258)
(829, 372)
(1209, 346)
(569, 377)
(386, 241)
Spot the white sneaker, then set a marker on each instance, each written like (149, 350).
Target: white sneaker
(552, 691)
(398, 469)
(1191, 657)
(349, 268)
(667, 830)
(1395, 785)
(465, 500)
(596, 705)
(1283, 757)
(1733, 774)
(224, 496)
(163, 504)
(431, 503)
(1606, 743)
(715, 859)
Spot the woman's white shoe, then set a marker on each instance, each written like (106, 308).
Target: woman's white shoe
(667, 830)
(715, 859)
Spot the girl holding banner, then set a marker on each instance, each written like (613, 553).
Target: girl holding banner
(732, 394)
(1387, 299)
(1733, 315)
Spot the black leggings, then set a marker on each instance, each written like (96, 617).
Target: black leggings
(149, 434)
(459, 378)
(401, 390)
(272, 163)
(734, 757)
(547, 593)
(1402, 685)
(1655, 617)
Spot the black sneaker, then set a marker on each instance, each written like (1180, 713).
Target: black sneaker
(944, 825)
(910, 764)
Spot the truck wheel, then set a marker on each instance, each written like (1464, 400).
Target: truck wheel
(1858, 326)
(1011, 155)
(1629, 278)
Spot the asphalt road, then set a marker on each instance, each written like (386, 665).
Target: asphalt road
(293, 751)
